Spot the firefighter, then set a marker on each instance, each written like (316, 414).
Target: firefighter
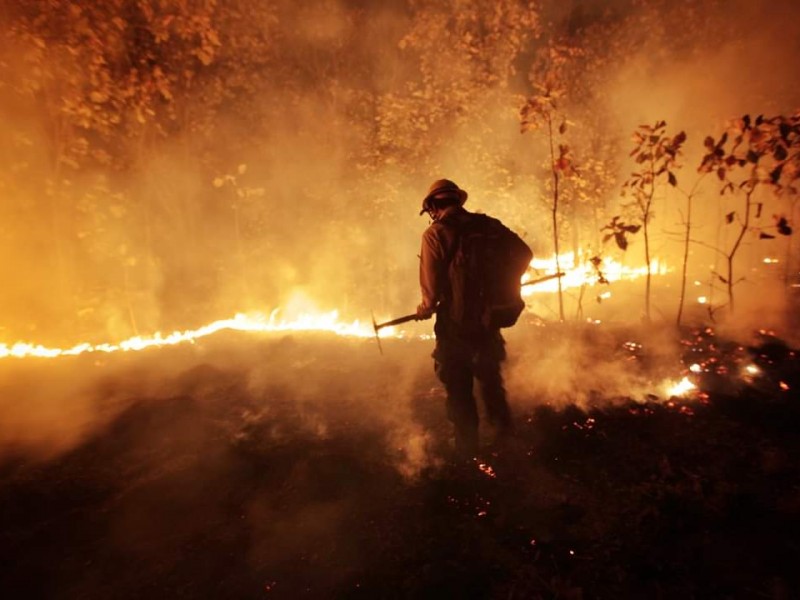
(466, 351)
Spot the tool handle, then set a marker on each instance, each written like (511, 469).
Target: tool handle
(543, 279)
(397, 321)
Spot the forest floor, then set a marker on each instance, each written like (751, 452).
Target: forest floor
(308, 467)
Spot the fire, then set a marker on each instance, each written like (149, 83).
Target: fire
(683, 387)
(325, 322)
(579, 271)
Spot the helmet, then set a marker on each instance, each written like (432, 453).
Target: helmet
(443, 188)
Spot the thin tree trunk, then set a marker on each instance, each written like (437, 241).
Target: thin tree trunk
(555, 216)
(685, 257)
(737, 243)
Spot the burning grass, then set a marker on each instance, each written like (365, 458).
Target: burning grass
(311, 466)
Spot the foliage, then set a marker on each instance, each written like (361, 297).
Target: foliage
(466, 59)
(754, 154)
(542, 111)
(657, 154)
(619, 230)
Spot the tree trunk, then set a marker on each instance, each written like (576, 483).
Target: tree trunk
(685, 258)
(735, 248)
(555, 216)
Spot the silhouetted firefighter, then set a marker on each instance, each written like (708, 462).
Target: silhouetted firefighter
(470, 269)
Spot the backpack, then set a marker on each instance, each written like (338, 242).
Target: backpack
(488, 260)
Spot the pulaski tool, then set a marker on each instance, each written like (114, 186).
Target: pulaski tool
(413, 316)
(378, 326)
(543, 279)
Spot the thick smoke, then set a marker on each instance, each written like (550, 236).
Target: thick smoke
(293, 182)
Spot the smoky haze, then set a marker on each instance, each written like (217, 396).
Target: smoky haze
(279, 161)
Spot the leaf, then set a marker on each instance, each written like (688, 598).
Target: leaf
(729, 217)
(607, 237)
(721, 173)
(752, 156)
(780, 152)
(765, 236)
(783, 226)
(759, 206)
(673, 181)
(709, 142)
(631, 228)
(775, 174)
(562, 129)
(621, 240)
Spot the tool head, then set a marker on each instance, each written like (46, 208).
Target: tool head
(377, 337)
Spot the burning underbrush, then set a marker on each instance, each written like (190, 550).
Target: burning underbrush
(309, 465)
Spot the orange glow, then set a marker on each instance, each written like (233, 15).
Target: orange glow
(579, 271)
(324, 322)
(310, 319)
(682, 388)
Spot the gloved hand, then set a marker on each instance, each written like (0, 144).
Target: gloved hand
(424, 312)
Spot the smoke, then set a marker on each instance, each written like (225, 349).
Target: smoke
(590, 366)
(293, 165)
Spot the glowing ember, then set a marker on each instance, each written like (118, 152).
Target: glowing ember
(784, 386)
(579, 271)
(752, 370)
(326, 322)
(702, 300)
(683, 387)
(695, 368)
(488, 470)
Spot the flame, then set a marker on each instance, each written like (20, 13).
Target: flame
(256, 322)
(579, 271)
(683, 387)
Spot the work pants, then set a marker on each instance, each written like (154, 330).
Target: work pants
(458, 364)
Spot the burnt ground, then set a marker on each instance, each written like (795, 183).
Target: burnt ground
(207, 478)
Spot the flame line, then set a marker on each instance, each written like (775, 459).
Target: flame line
(327, 322)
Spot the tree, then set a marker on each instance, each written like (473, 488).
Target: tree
(687, 238)
(542, 110)
(754, 154)
(657, 154)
